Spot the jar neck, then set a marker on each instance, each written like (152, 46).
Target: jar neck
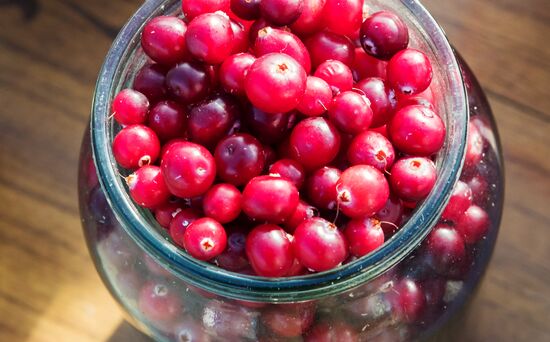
(121, 64)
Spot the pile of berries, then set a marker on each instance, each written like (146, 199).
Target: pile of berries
(279, 137)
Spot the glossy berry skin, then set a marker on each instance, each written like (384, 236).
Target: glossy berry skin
(269, 198)
(212, 119)
(281, 12)
(159, 302)
(269, 250)
(310, 19)
(332, 332)
(319, 245)
(364, 235)
(289, 320)
(391, 216)
(147, 187)
(416, 130)
(189, 169)
(460, 201)
(350, 112)
(239, 158)
(188, 82)
(180, 222)
(371, 148)
(192, 9)
(321, 187)
(381, 97)
(317, 97)
(168, 119)
(445, 247)
(269, 128)
(326, 45)
(474, 147)
(473, 225)
(362, 191)
(314, 142)
(222, 203)
(130, 107)
(167, 211)
(233, 72)
(241, 42)
(413, 178)
(289, 169)
(234, 258)
(204, 239)
(163, 40)
(246, 9)
(275, 83)
(303, 212)
(135, 146)
(271, 40)
(209, 38)
(150, 81)
(383, 34)
(364, 66)
(336, 74)
(343, 16)
(408, 300)
(409, 72)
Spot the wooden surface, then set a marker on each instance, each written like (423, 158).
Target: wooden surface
(50, 53)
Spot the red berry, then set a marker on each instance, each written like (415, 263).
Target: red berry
(408, 300)
(473, 225)
(180, 222)
(204, 239)
(303, 212)
(269, 250)
(135, 146)
(350, 112)
(413, 178)
(371, 148)
(147, 187)
(246, 9)
(168, 119)
(281, 12)
(332, 332)
(289, 320)
(209, 37)
(167, 211)
(383, 34)
(188, 82)
(159, 302)
(390, 216)
(317, 97)
(409, 72)
(269, 198)
(150, 81)
(192, 9)
(289, 169)
(239, 158)
(272, 40)
(474, 147)
(446, 248)
(163, 39)
(310, 19)
(364, 236)
(365, 66)
(460, 201)
(222, 203)
(321, 187)
(240, 37)
(382, 99)
(336, 74)
(343, 16)
(130, 107)
(325, 45)
(234, 258)
(233, 72)
(269, 128)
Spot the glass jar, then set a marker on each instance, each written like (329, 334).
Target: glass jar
(404, 290)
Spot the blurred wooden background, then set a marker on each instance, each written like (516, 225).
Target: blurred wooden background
(50, 53)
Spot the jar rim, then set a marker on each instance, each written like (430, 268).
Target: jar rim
(245, 287)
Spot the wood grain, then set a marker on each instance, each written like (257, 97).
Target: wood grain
(50, 53)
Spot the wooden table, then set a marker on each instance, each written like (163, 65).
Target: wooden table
(50, 53)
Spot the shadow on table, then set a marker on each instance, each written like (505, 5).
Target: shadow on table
(125, 332)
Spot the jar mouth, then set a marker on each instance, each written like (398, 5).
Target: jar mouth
(254, 288)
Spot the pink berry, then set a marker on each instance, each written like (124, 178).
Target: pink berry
(270, 198)
(239, 158)
(319, 245)
(343, 16)
(317, 97)
(332, 332)
(147, 187)
(336, 74)
(364, 235)
(303, 212)
(180, 222)
(281, 12)
(413, 178)
(408, 300)
(246, 9)
(189, 169)
(150, 81)
(271, 40)
(212, 119)
(446, 248)
(365, 66)
(209, 37)
(269, 250)
(168, 119)
(417, 130)
(381, 97)
(188, 82)
(310, 19)
(314, 142)
(371, 148)
(275, 83)
(135, 146)
(158, 302)
(240, 37)
(350, 112)
(383, 34)
(473, 225)
(362, 191)
(222, 203)
(192, 9)
(233, 72)
(460, 201)
(321, 187)
(204, 239)
(409, 72)
(325, 45)
(130, 107)
(474, 147)
(163, 39)
(289, 169)
(289, 320)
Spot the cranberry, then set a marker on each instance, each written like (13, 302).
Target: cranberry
(275, 83)
(163, 39)
(239, 158)
(434, 291)
(209, 37)
(270, 198)
(289, 169)
(350, 112)
(281, 12)
(314, 142)
(336, 74)
(204, 239)
(130, 107)
(289, 320)
(332, 332)
(414, 100)
(417, 130)
(256, 27)
(343, 16)
(365, 66)
(326, 45)
(180, 222)
(408, 300)
(166, 212)
(188, 82)
(189, 169)
(240, 37)
(246, 9)
(234, 257)
(303, 212)
(192, 9)
(222, 203)
(413, 178)
(381, 97)
(269, 251)
(272, 40)
(391, 216)
(168, 119)
(479, 186)
(446, 248)
(473, 225)
(135, 146)
(409, 72)
(211, 120)
(270, 155)
(319, 245)
(233, 72)
(159, 302)
(474, 147)
(321, 187)
(371, 148)
(364, 235)
(269, 128)
(147, 187)
(150, 82)
(297, 269)
(383, 34)
(317, 97)
(460, 201)
(310, 19)
(190, 330)
(362, 191)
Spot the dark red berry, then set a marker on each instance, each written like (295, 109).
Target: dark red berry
(325, 45)
(391, 216)
(473, 225)
(409, 72)
(310, 19)
(365, 66)
(413, 178)
(135, 146)
(233, 72)
(269, 250)
(289, 320)
(332, 332)
(281, 12)
(460, 201)
(239, 158)
(270, 198)
(317, 97)
(383, 34)
(168, 119)
(271, 40)
(382, 99)
(234, 258)
(474, 147)
(336, 74)
(289, 169)
(408, 300)
(241, 42)
(147, 187)
(343, 16)
(167, 211)
(246, 9)
(364, 235)
(192, 9)
(180, 222)
(371, 148)
(269, 128)
(222, 203)
(163, 40)
(209, 37)
(204, 239)
(350, 112)
(188, 82)
(130, 107)
(446, 248)
(150, 81)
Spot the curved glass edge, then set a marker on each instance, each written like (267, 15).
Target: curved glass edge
(244, 287)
